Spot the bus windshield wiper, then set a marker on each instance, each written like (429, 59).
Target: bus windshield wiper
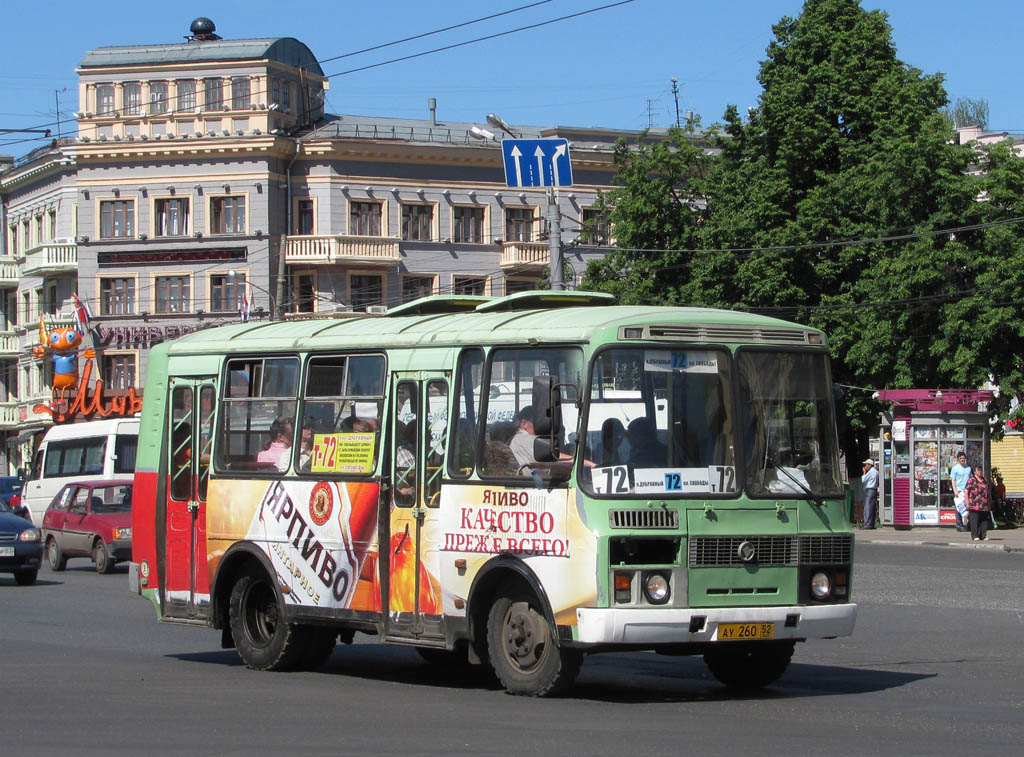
(802, 486)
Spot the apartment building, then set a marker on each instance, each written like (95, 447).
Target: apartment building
(206, 173)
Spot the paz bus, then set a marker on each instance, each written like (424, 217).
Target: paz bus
(513, 482)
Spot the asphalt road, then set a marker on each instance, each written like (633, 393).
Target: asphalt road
(934, 667)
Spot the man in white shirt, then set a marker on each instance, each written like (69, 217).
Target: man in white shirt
(870, 482)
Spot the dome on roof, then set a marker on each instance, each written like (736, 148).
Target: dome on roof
(203, 25)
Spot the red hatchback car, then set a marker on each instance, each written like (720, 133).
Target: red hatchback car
(90, 519)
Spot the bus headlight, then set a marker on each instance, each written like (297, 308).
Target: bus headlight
(821, 585)
(656, 588)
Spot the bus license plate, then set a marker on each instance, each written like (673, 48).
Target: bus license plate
(743, 631)
(6, 551)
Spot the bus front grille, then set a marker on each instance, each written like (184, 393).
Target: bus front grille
(827, 549)
(724, 551)
(644, 519)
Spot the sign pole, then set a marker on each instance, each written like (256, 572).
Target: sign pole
(555, 241)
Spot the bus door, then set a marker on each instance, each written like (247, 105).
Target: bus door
(188, 451)
(419, 430)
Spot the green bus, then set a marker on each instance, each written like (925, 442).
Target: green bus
(514, 482)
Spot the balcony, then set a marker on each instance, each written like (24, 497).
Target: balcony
(10, 344)
(340, 248)
(51, 258)
(9, 415)
(8, 272)
(525, 256)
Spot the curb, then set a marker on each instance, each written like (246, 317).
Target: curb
(955, 545)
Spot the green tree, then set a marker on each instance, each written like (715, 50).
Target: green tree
(847, 143)
(655, 215)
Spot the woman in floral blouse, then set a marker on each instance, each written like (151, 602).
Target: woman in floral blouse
(979, 503)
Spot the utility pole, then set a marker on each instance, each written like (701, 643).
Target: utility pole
(675, 94)
(555, 241)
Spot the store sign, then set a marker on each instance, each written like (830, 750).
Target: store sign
(926, 517)
(91, 403)
(899, 431)
(947, 517)
(138, 336)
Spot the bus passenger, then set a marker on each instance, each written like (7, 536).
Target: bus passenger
(276, 451)
(645, 449)
(522, 442)
(355, 425)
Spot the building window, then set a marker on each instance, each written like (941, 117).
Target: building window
(519, 224)
(304, 217)
(157, 97)
(275, 91)
(119, 371)
(117, 296)
(52, 220)
(117, 218)
(366, 290)
(227, 215)
(286, 97)
(13, 229)
(213, 93)
(47, 295)
(364, 219)
(132, 98)
(172, 294)
(520, 285)
(240, 99)
(171, 217)
(226, 292)
(475, 285)
(304, 292)
(39, 229)
(416, 222)
(105, 100)
(468, 225)
(594, 229)
(415, 287)
(186, 95)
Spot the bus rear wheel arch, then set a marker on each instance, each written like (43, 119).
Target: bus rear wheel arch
(523, 648)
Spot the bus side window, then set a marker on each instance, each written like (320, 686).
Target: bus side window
(466, 418)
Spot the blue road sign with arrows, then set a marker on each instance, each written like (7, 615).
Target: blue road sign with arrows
(537, 162)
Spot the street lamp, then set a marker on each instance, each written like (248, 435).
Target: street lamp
(498, 123)
(235, 276)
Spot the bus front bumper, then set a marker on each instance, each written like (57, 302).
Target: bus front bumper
(645, 626)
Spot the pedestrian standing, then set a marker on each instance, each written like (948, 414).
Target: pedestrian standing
(870, 481)
(959, 474)
(979, 504)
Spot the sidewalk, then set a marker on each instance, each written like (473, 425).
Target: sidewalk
(1007, 540)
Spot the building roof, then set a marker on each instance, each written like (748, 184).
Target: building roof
(286, 50)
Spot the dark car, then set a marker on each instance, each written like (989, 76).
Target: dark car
(21, 549)
(90, 519)
(9, 487)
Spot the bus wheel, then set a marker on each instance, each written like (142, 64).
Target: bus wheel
(317, 646)
(522, 648)
(749, 666)
(263, 639)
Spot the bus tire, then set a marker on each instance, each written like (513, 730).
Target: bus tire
(317, 646)
(263, 639)
(746, 666)
(522, 647)
(55, 556)
(100, 556)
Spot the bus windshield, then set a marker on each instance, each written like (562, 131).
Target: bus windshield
(788, 423)
(660, 422)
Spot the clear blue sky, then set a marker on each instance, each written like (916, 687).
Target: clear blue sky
(610, 68)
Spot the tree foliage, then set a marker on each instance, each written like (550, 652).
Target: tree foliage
(968, 112)
(830, 203)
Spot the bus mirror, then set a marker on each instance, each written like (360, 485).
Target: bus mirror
(545, 449)
(547, 406)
